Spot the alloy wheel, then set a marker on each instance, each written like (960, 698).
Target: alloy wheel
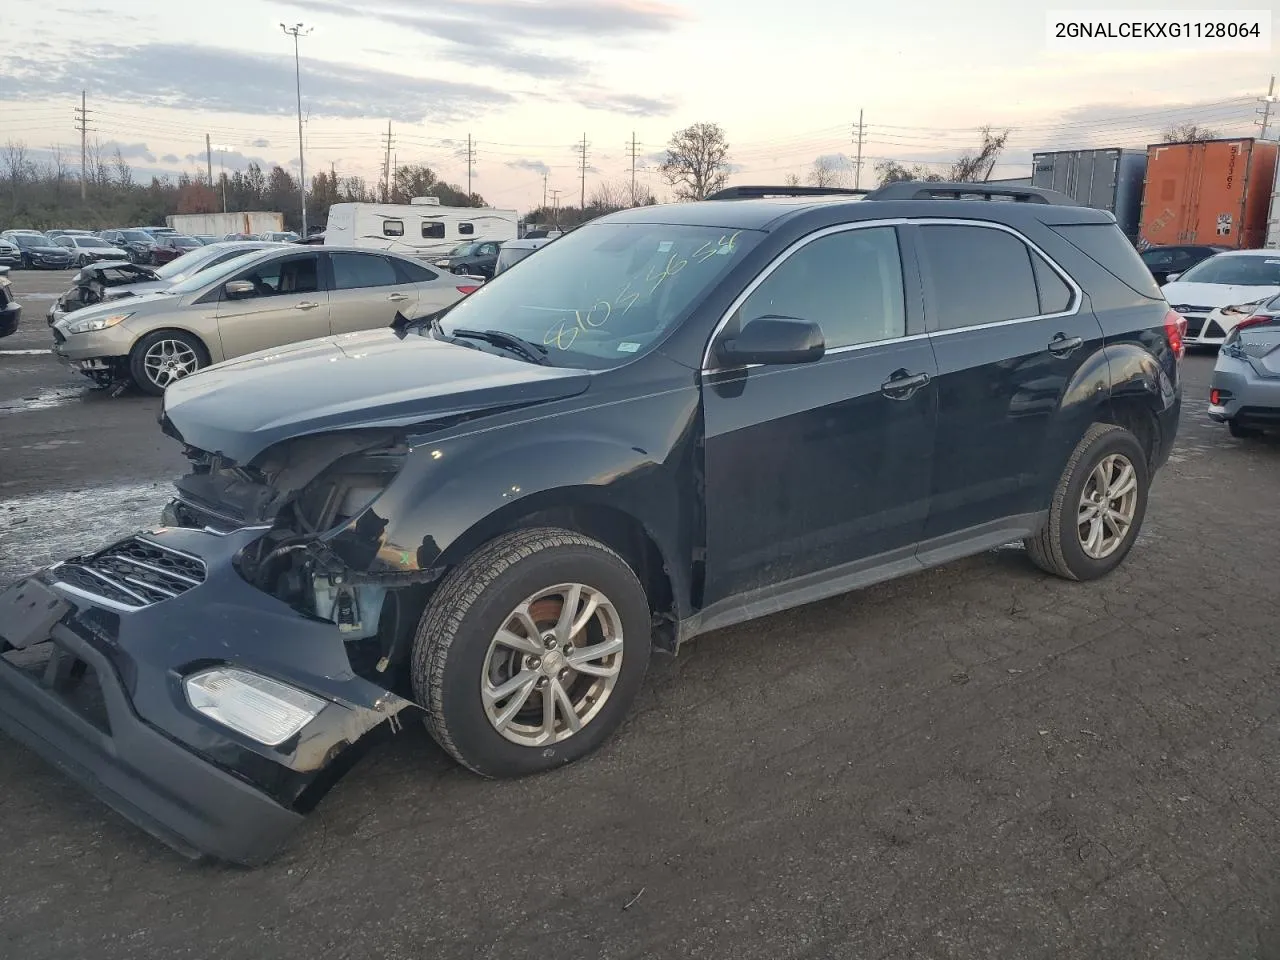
(1108, 504)
(552, 665)
(168, 360)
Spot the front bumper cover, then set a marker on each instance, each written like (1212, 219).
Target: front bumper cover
(94, 685)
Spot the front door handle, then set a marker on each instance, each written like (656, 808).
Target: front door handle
(1063, 346)
(901, 384)
(396, 297)
(305, 305)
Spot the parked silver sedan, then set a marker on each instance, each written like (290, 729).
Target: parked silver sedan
(1244, 392)
(254, 302)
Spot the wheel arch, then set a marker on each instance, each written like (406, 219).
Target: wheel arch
(174, 328)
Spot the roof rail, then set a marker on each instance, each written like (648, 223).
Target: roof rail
(928, 190)
(749, 193)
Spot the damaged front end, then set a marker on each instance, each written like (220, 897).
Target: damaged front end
(213, 677)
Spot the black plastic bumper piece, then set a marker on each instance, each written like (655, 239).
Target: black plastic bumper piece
(177, 797)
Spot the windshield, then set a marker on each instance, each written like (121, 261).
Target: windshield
(1247, 271)
(204, 278)
(137, 236)
(90, 242)
(32, 240)
(606, 292)
(180, 267)
(462, 250)
(508, 256)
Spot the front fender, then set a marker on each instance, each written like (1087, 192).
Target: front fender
(634, 457)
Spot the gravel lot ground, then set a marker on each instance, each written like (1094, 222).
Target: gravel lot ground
(979, 761)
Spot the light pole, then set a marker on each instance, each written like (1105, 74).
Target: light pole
(296, 31)
(222, 149)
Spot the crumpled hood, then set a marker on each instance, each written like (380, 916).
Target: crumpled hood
(1213, 294)
(131, 304)
(367, 379)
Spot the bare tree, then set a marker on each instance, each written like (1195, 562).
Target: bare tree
(697, 162)
(791, 180)
(124, 172)
(1188, 133)
(96, 164)
(826, 172)
(608, 196)
(638, 194)
(890, 171)
(16, 165)
(976, 167)
(58, 172)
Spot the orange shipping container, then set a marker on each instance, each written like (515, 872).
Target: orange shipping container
(1212, 191)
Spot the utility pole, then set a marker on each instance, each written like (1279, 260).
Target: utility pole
(633, 149)
(555, 207)
(1267, 101)
(857, 167)
(582, 203)
(82, 122)
(208, 163)
(386, 167)
(471, 160)
(296, 31)
(544, 191)
(395, 170)
(222, 171)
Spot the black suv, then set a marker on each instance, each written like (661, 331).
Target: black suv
(476, 259)
(679, 418)
(1164, 262)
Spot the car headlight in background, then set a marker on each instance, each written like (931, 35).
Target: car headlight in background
(90, 324)
(262, 709)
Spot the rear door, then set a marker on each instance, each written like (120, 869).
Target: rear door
(821, 467)
(367, 292)
(289, 304)
(436, 289)
(1010, 331)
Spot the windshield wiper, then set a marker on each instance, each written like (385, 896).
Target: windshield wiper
(533, 352)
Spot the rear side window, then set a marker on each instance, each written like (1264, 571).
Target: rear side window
(980, 275)
(409, 272)
(466, 229)
(433, 231)
(393, 228)
(1055, 295)
(1105, 245)
(354, 270)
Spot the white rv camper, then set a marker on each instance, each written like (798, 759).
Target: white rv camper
(422, 228)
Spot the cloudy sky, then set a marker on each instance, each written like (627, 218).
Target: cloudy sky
(526, 79)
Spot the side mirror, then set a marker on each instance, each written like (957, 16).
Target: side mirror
(238, 289)
(774, 340)
(1170, 277)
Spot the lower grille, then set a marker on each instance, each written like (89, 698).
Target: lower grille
(134, 573)
(66, 676)
(1194, 326)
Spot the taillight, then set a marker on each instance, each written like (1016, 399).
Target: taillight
(1255, 321)
(464, 290)
(1175, 330)
(1215, 397)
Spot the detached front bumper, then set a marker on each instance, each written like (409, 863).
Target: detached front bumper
(93, 655)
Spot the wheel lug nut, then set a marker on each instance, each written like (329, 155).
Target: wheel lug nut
(542, 681)
(534, 663)
(551, 643)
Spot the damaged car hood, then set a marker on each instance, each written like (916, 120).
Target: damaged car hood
(368, 379)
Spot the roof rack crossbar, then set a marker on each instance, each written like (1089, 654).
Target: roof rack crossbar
(927, 190)
(749, 193)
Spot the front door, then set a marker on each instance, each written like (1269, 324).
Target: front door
(1009, 334)
(288, 304)
(367, 292)
(822, 465)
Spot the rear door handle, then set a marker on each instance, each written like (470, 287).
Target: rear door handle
(901, 385)
(1063, 346)
(305, 305)
(396, 297)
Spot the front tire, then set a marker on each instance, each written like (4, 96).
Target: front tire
(531, 652)
(1097, 508)
(162, 357)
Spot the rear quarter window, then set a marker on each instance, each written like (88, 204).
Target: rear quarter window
(1105, 245)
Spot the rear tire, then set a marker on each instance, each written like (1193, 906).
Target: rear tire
(495, 619)
(1243, 433)
(1088, 534)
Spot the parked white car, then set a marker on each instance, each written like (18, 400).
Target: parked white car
(1225, 280)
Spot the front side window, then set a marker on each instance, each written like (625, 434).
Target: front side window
(849, 283)
(352, 271)
(607, 292)
(433, 230)
(393, 228)
(284, 276)
(980, 275)
(466, 229)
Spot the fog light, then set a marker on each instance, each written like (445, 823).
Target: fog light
(262, 709)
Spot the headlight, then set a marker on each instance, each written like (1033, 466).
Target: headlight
(261, 709)
(90, 324)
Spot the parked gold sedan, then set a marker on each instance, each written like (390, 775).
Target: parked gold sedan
(261, 300)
